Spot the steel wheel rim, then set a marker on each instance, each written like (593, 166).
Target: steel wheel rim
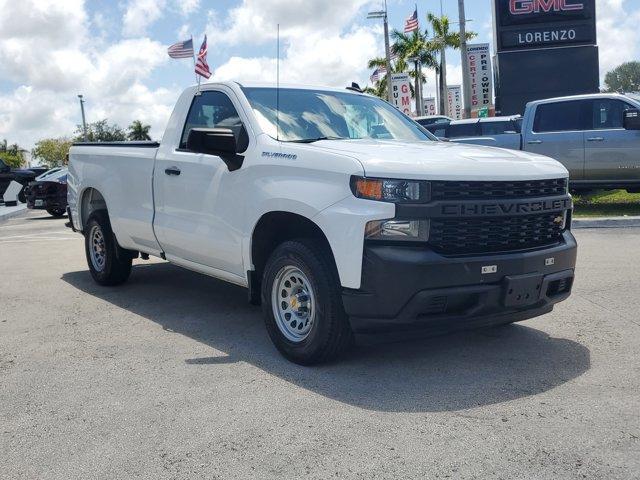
(97, 249)
(293, 303)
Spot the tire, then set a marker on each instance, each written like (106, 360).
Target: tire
(22, 197)
(55, 212)
(316, 329)
(109, 263)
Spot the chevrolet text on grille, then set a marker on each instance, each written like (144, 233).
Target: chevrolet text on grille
(506, 208)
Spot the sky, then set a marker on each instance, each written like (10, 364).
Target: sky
(114, 52)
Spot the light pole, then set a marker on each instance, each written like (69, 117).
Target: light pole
(466, 91)
(84, 121)
(387, 50)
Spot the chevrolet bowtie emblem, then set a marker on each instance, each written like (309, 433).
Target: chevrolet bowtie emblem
(558, 220)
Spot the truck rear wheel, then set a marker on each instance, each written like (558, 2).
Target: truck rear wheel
(109, 263)
(302, 303)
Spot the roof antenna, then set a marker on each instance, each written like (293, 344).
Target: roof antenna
(278, 85)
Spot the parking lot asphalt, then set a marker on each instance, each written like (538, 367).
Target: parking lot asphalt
(172, 375)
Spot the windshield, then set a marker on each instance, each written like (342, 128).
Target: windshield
(55, 174)
(307, 115)
(49, 172)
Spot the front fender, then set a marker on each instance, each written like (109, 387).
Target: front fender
(343, 223)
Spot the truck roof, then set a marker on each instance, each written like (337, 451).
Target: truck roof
(256, 84)
(586, 96)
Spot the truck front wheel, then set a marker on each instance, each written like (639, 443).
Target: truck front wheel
(302, 303)
(109, 263)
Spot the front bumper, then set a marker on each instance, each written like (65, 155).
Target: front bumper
(406, 288)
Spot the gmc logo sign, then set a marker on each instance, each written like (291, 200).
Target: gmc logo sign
(524, 7)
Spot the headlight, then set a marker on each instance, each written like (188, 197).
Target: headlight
(398, 230)
(391, 190)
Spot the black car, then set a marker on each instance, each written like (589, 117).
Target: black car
(22, 176)
(49, 192)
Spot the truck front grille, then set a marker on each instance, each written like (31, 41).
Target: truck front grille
(464, 236)
(449, 190)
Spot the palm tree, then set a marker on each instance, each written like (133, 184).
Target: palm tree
(415, 48)
(138, 131)
(443, 39)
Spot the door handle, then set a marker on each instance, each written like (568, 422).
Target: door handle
(172, 171)
(534, 142)
(595, 139)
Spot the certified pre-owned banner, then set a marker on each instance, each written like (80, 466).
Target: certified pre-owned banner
(480, 79)
(455, 101)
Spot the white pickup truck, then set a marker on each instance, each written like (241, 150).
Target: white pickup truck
(338, 213)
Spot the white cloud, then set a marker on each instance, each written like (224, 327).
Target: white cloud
(321, 41)
(111, 77)
(187, 7)
(314, 58)
(139, 15)
(256, 21)
(618, 33)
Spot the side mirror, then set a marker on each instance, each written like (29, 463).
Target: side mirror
(631, 119)
(216, 141)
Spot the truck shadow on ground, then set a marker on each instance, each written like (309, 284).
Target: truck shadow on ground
(446, 373)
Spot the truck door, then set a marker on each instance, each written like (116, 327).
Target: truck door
(558, 132)
(197, 198)
(612, 153)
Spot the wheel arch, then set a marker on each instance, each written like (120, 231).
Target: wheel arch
(91, 200)
(272, 229)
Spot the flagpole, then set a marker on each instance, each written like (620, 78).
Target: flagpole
(193, 51)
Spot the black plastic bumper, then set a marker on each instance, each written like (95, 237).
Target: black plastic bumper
(413, 287)
(47, 202)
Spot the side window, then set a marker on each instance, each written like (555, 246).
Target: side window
(211, 110)
(497, 128)
(607, 113)
(517, 125)
(559, 117)
(439, 131)
(463, 130)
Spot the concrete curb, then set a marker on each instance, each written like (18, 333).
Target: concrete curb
(606, 222)
(9, 212)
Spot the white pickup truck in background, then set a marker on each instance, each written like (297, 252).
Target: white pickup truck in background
(338, 213)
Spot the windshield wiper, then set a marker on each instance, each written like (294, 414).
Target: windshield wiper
(311, 140)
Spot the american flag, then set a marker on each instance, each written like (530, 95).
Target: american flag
(181, 49)
(375, 76)
(411, 23)
(202, 68)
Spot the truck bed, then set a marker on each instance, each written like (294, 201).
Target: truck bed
(122, 172)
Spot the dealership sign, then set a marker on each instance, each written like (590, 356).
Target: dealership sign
(522, 24)
(455, 101)
(430, 106)
(401, 92)
(480, 79)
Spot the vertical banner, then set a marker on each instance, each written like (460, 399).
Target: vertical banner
(401, 92)
(430, 107)
(480, 78)
(455, 101)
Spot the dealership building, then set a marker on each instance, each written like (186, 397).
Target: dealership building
(543, 49)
